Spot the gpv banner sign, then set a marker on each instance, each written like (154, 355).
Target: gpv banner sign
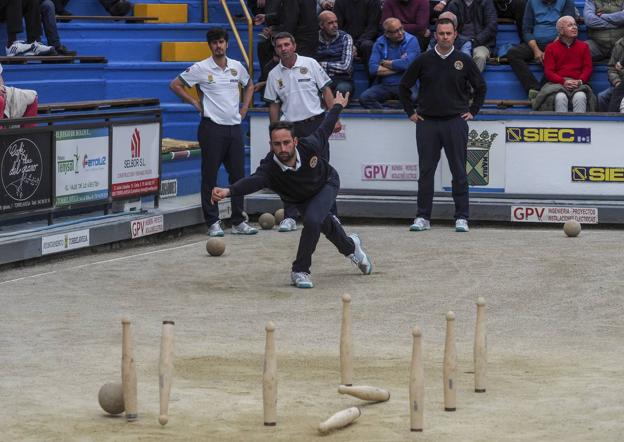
(81, 165)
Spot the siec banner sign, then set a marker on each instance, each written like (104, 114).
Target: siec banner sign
(548, 135)
(81, 166)
(136, 155)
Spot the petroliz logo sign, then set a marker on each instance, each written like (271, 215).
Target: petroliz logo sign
(534, 214)
(548, 135)
(598, 174)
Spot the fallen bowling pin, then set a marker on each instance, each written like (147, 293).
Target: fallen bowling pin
(365, 393)
(340, 419)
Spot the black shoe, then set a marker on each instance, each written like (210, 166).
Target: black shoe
(62, 50)
(66, 13)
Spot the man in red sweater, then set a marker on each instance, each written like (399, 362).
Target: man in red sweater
(567, 61)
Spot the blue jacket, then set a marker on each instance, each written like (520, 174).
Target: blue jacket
(540, 19)
(402, 55)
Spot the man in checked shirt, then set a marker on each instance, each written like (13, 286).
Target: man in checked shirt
(335, 53)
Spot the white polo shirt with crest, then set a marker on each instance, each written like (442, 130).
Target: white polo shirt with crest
(297, 89)
(220, 88)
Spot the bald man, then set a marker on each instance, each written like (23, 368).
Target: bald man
(335, 53)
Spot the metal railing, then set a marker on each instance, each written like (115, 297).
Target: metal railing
(247, 53)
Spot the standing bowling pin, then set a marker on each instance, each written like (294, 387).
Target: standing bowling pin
(365, 393)
(450, 365)
(269, 378)
(346, 343)
(480, 349)
(416, 383)
(128, 373)
(340, 419)
(165, 370)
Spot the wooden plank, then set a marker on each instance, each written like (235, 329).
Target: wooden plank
(96, 104)
(130, 18)
(53, 59)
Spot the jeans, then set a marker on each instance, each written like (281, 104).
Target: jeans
(604, 98)
(48, 18)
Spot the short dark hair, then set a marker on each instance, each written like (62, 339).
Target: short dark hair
(281, 35)
(279, 125)
(215, 34)
(445, 21)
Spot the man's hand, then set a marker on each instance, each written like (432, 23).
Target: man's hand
(439, 7)
(571, 84)
(197, 105)
(618, 67)
(259, 19)
(341, 99)
(416, 118)
(467, 116)
(337, 127)
(538, 56)
(219, 194)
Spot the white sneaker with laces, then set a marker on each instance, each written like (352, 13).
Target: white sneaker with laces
(41, 49)
(21, 49)
(359, 257)
(215, 229)
(244, 229)
(287, 225)
(461, 225)
(420, 224)
(301, 280)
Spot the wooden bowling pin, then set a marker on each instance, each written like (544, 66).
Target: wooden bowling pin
(340, 419)
(269, 377)
(416, 383)
(450, 365)
(128, 373)
(365, 393)
(480, 349)
(165, 370)
(346, 343)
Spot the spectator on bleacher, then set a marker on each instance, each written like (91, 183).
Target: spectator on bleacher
(325, 5)
(335, 53)
(59, 7)
(220, 134)
(414, 16)
(48, 18)
(117, 7)
(612, 99)
(360, 19)
(605, 25)
(293, 88)
(17, 103)
(13, 12)
(514, 10)
(461, 44)
(392, 54)
(539, 29)
(567, 67)
(477, 23)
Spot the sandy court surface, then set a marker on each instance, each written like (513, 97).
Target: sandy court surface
(555, 334)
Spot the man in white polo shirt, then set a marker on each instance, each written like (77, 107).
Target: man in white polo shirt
(220, 136)
(293, 87)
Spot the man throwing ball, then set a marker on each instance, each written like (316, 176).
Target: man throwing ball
(297, 171)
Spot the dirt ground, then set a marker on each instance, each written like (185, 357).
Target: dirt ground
(554, 318)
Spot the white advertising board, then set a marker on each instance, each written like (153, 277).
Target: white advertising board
(81, 165)
(136, 153)
(64, 241)
(539, 214)
(147, 226)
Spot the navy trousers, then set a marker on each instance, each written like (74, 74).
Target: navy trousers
(431, 137)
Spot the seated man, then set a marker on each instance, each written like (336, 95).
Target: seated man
(414, 16)
(605, 26)
(14, 12)
(392, 54)
(359, 19)
(477, 23)
(567, 67)
(539, 29)
(461, 44)
(335, 53)
(17, 103)
(512, 9)
(612, 100)
(48, 18)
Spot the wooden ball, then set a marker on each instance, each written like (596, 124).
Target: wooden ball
(267, 221)
(279, 216)
(111, 399)
(572, 228)
(215, 246)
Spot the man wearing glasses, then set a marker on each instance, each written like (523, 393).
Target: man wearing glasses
(392, 53)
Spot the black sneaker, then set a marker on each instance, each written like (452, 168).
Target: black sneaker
(62, 50)
(65, 13)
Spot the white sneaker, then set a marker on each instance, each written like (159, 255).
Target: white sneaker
(359, 257)
(420, 224)
(244, 229)
(301, 280)
(41, 49)
(461, 225)
(215, 229)
(287, 225)
(20, 49)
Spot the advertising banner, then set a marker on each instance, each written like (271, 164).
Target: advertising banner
(538, 214)
(147, 226)
(65, 241)
(81, 166)
(136, 155)
(25, 172)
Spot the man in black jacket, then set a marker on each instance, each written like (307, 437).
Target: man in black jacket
(360, 19)
(296, 169)
(477, 22)
(441, 117)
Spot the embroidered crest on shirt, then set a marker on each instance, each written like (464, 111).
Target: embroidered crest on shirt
(280, 83)
(459, 65)
(234, 72)
(303, 70)
(210, 78)
(313, 162)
